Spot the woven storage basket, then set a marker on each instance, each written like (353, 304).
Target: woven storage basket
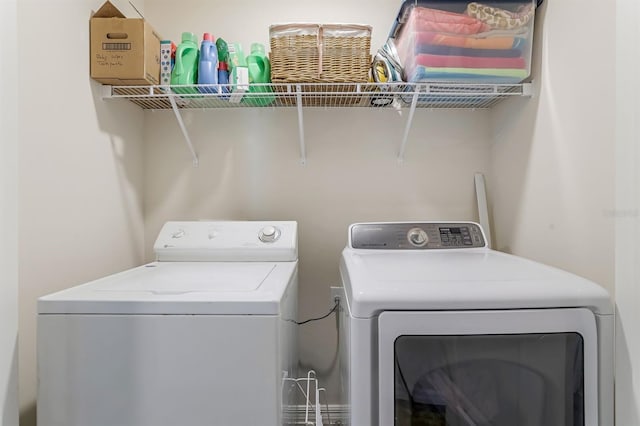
(314, 53)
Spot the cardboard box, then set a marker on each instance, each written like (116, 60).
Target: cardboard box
(124, 51)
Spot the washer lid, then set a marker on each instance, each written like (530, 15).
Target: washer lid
(253, 288)
(460, 279)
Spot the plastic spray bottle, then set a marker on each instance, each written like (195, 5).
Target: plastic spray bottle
(223, 65)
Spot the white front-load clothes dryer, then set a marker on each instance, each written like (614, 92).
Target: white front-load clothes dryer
(202, 336)
(438, 329)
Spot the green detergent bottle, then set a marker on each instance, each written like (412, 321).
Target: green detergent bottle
(185, 70)
(259, 72)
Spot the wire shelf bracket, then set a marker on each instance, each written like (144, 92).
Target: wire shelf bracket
(185, 133)
(411, 96)
(407, 127)
(303, 149)
(457, 96)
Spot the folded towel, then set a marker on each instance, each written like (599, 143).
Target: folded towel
(466, 75)
(432, 49)
(426, 19)
(444, 61)
(504, 42)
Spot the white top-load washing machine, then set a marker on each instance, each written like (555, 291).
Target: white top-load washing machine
(203, 336)
(438, 329)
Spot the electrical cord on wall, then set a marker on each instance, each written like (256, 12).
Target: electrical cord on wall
(324, 371)
(319, 318)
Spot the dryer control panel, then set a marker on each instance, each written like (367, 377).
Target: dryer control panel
(416, 235)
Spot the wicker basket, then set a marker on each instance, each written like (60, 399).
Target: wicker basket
(314, 53)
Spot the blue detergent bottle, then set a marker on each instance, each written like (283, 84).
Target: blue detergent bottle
(223, 78)
(185, 70)
(223, 66)
(259, 72)
(208, 65)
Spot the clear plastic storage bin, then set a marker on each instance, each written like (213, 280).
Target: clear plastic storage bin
(468, 42)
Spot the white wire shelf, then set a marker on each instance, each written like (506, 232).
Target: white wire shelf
(290, 95)
(412, 96)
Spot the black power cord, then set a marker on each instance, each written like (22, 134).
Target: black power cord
(335, 307)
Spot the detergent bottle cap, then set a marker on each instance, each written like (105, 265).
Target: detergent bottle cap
(188, 36)
(257, 48)
(207, 37)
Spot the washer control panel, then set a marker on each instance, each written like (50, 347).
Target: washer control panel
(416, 235)
(227, 241)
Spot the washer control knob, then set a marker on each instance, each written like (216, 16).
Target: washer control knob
(417, 237)
(269, 234)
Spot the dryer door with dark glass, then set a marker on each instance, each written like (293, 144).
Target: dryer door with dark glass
(481, 368)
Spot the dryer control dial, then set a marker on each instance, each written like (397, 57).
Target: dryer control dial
(417, 237)
(269, 234)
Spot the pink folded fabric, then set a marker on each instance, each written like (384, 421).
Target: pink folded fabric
(430, 37)
(445, 61)
(425, 19)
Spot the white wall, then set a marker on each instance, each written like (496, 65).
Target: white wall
(627, 214)
(552, 164)
(247, 21)
(80, 169)
(8, 218)
(249, 160)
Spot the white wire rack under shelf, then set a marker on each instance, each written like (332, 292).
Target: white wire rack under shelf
(399, 96)
(312, 405)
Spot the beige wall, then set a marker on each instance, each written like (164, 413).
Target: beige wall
(247, 21)
(80, 169)
(552, 157)
(627, 214)
(8, 218)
